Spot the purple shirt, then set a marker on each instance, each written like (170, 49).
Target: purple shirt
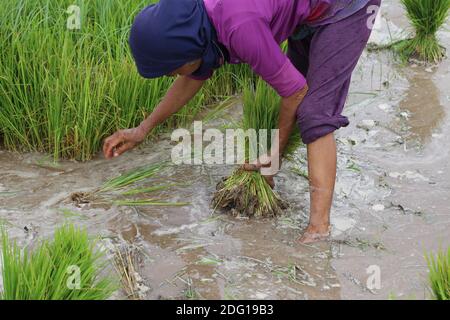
(252, 31)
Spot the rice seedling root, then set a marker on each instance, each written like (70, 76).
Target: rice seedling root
(247, 194)
(80, 199)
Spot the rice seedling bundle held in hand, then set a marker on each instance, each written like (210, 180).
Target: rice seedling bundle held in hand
(426, 17)
(248, 193)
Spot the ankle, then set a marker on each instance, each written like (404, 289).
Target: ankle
(319, 227)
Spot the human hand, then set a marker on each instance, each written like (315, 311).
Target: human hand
(264, 164)
(123, 141)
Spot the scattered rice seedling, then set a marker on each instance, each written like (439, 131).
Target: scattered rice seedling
(131, 177)
(190, 293)
(362, 244)
(149, 202)
(114, 190)
(293, 273)
(126, 263)
(426, 17)
(248, 193)
(439, 275)
(211, 261)
(49, 271)
(136, 191)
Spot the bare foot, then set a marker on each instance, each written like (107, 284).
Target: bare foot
(315, 234)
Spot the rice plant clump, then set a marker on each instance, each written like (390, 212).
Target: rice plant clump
(426, 17)
(118, 190)
(248, 193)
(439, 275)
(64, 90)
(67, 268)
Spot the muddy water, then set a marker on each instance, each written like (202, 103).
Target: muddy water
(391, 203)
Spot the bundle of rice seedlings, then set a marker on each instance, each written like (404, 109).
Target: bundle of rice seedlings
(248, 193)
(116, 189)
(67, 268)
(427, 17)
(131, 177)
(439, 275)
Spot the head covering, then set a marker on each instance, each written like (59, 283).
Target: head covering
(171, 33)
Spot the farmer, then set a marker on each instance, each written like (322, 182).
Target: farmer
(191, 38)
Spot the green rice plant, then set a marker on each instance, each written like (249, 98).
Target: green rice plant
(426, 17)
(131, 177)
(115, 190)
(136, 191)
(63, 91)
(210, 261)
(49, 271)
(439, 274)
(248, 193)
(149, 202)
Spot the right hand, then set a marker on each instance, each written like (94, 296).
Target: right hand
(264, 161)
(122, 141)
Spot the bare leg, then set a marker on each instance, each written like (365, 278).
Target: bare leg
(322, 176)
(333, 52)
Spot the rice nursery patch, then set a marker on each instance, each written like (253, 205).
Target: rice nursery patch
(248, 193)
(63, 91)
(117, 190)
(439, 274)
(426, 17)
(48, 272)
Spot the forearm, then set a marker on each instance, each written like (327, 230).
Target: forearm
(322, 175)
(180, 93)
(287, 118)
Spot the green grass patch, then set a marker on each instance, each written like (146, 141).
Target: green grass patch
(49, 272)
(63, 91)
(439, 274)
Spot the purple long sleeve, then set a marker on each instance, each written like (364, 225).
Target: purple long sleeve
(252, 31)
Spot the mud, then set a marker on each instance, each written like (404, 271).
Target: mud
(391, 201)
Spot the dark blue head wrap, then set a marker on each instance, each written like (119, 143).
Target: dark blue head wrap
(171, 33)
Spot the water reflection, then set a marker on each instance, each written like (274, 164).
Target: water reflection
(422, 103)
